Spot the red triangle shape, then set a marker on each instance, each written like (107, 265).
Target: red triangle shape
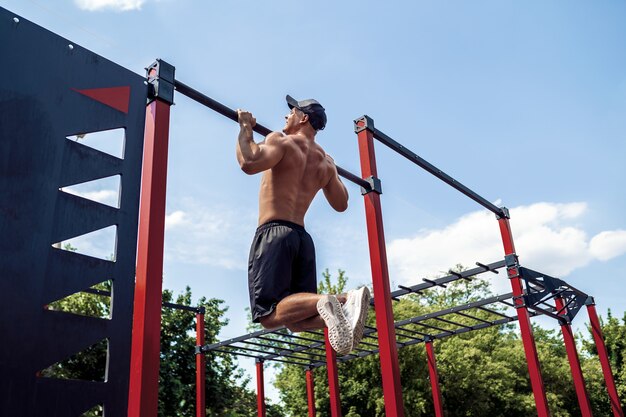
(116, 97)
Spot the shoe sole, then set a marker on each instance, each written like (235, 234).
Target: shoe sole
(362, 305)
(339, 334)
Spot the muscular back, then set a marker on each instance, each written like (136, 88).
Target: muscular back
(288, 188)
(294, 168)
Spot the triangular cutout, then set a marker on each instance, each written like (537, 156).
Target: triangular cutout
(87, 365)
(96, 411)
(103, 190)
(107, 141)
(93, 302)
(115, 97)
(100, 244)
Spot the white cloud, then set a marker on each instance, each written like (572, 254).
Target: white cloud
(216, 236)
(117, 5)
(546, 235)
(608, 245)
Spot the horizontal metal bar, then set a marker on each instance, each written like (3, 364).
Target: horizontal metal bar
(448, 278)
(469, 316)
(427, 166)
(181, 307)
(454, 323)
(220, 108)
(497, 313)
(430, 326)
(168, 305)
(475, 304)
(242, 338)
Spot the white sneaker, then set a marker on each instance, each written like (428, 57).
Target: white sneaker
(339, 329)
(356, 307)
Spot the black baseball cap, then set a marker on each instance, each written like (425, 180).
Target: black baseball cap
(312, 108)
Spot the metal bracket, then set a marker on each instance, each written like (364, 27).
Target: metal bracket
(364, 123)
(511, 260)
(201, 310)
(520, 297)
(590, 301)
(504, 213)
(375, 186)
(160, 81)
(198, 350)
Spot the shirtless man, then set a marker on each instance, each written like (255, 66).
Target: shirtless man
(281, 268)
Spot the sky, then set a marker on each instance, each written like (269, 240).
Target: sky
(523, 102)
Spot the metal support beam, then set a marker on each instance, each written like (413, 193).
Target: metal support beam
(310, 392)
(218, 107)
(574, 362)
(428, 167)
(144, 368)
(530, 349)
(333, 378)
(596, 330)
(392, 389)
(200, 367)
(434, 379)
(260, 389)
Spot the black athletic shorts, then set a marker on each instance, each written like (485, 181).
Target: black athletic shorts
(282, 262)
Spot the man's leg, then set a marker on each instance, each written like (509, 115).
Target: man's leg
(298, 312)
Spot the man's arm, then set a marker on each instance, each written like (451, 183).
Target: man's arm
(256, 157)
(335, 192)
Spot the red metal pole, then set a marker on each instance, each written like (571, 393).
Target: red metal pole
(392, 389)
(260, 389)
(200, 366)
(144, 369)
(333, 378)
(596, 330)
(530, 350)
(574, 362)
(310, 392)
(434, 379)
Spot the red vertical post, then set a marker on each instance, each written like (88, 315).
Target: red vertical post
(260, 389)
(392, 389)
(200, 365)
(596, 331)
(144, 365)
(574, 362)
(333, 378)
(434, 379)
(310, 392)
(528, 340)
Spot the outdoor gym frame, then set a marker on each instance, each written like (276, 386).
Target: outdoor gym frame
(531, 290)
(81, 92)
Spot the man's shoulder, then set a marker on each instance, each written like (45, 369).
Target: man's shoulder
(275, 136)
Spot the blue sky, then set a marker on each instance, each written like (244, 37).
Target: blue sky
(523, 102)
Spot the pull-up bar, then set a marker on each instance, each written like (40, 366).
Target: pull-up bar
(214, 105)
(366, 123)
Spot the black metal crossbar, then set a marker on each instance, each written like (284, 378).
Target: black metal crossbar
(226, 111)
(428, 167)
(168, 305)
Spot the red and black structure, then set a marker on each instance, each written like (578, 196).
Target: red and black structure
(52, 90)
(390, 370)
(81, 92)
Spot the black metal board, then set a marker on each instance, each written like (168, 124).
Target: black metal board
(51, 88)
